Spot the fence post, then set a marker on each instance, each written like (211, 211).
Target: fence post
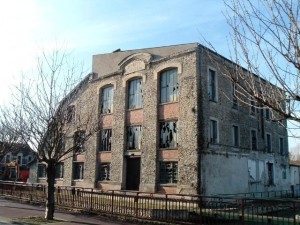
(166, 208)
(242, 217)
(295, 212)
(73, 196)
(112, 202)
(136, 203)
(200, 206)
(92, 191)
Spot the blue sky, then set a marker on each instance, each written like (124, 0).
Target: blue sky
(88, 27)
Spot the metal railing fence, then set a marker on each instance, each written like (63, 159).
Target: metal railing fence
(179, 209)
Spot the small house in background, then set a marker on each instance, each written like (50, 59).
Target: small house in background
(15, 164)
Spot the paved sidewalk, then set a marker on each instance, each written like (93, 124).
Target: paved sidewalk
(10, 211)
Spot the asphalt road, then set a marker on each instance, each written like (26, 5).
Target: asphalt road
(11, 211)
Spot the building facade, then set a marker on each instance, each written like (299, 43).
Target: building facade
(169, 123)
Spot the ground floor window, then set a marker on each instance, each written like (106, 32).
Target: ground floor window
(270, 175)
(104, 172)
(168, 172)
(59, 170)
(78, 169)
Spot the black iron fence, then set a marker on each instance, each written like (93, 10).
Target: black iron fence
(179, 209)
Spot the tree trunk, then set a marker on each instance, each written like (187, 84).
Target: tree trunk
(50, 205)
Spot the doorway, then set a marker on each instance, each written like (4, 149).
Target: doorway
(133, 170)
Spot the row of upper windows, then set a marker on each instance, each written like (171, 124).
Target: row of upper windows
(214, 138)
(168, 138)
(168, 92)
(213, 96)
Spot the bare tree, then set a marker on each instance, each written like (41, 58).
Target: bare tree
(265, 41)
(43, 114)
(9, 140)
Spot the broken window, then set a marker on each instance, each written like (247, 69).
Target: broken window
(105, 140)
(212, 85)
(281, 148)
(41, 170)
(270, 175)
(213, 131)
(235, 136)
(168, 172)
(169, 86)
(70, 113)
(107, 100)
(268, 143)
(168, 134)
(134, 137)
(79, 139)
(104, 172)
(253, 140)
(59, 170)
(78, 170)
(135, 94)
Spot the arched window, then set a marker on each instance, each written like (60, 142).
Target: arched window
(135, 94)
(107, 99)
(169, 86)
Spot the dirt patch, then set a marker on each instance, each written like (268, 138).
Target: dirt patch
(35, 220)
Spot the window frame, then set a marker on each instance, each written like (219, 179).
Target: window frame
(252, 107)
(107, 98)
(105, 147)
(106, 176)
(235, 139)
(270, 173)
(79, 149)
(135, 92)
(166, 176)
(213, 136)
(251, 140)
(138, 139)
(212, 86)
(281, 145)
(171, 78)
(174, 143)
(59, 170)
(268, 114)
(234, 98)
(81, 170)
(41, 174)
(268, 142)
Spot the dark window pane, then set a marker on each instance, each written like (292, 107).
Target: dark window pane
(169, 86)
(105, 140)
(104, 172)
(135, 94)
(79, 139)
(168, 172)
(107, 100)
(134, 137)
(168, 134)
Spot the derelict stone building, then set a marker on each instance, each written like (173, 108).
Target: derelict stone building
(170, 123)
